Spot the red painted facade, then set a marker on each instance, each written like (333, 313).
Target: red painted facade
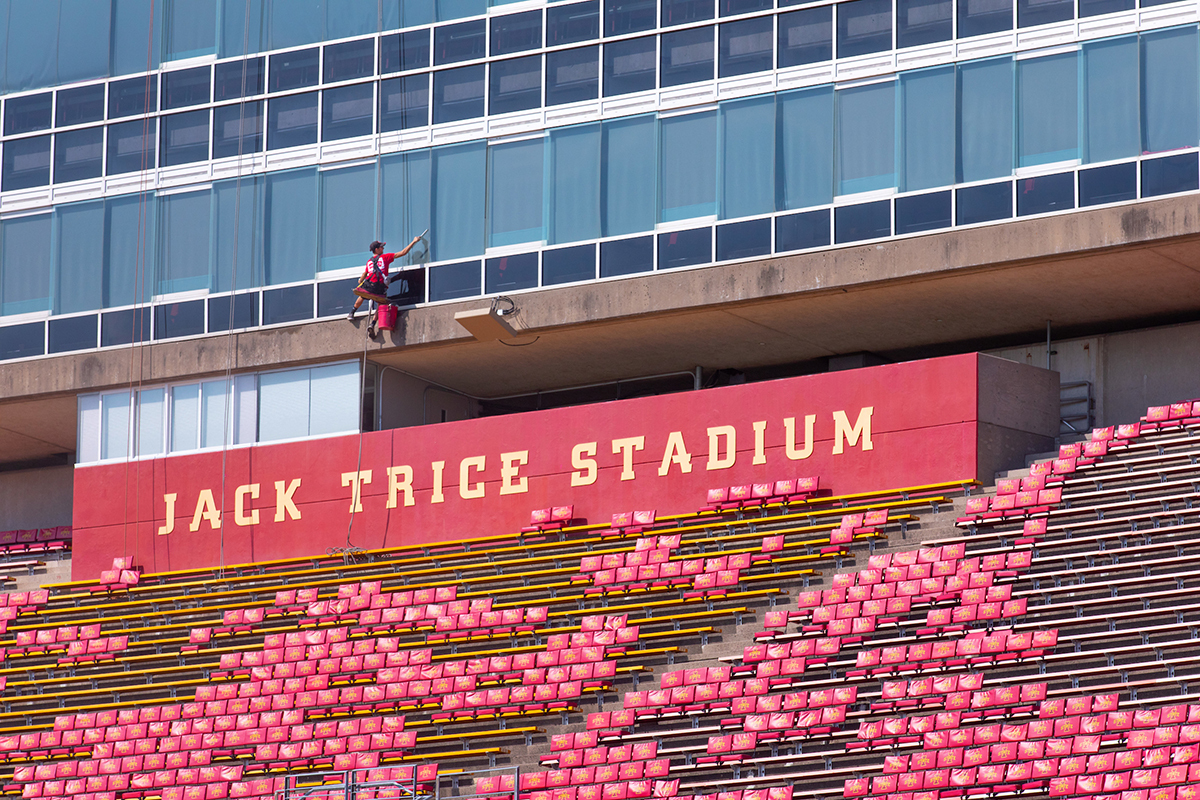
(916, 423)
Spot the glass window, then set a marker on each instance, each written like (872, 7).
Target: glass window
(802, 231)
(349, 60)
(1169, 90)
(1111, 184)
(628, 170)
(626, 256)
(115, 413)
(863, 221)
(405, 200)
(727, 8)
(864, 26)
(283, 402)
(985, 119)
(866, 138)
(747, 239)
(23, 341)
(347, 216)
(458, 94)
(79, 106)
(26, 163)
(688, 179)
(409, 13)
(291, 215)
(235, 79)
(234, 311)
(134, 23)
(977, 17)
(65, 334)
(292, 121)
(922, 212)
(569, 264)
(238, 225)
(296, 22)
(214, 400)
(452, 281)
(185, 417)
(350, 18)
(129, 254)
(459, 174)
(983, 203)
(1042, 12)
(83, 36)
(748, 157)
(184, 138)
(404, 102)
(457, 9)
(132, 96)
(574, 22)
(238, 129)
(295, 70)
(746, 46)
(172, 320)
(190, 28)
(1090, 8)
(150, 419)
(79, 247)
(1168, 175)
(923, 21)
(1045, 193)
(629, 66)
(677, 12)
(804, 148)
(1047, 119)
(515, 193)
(30, 51)
(685, 248)
(516, 32)
(243, 27)
(805, 36)
(347, 111)
(24, 251)
(289, 304)
(462, 42)
(574, 183)
(183, 241)
(927, 134)
(629, 16)
(187, 87)
(1110, 99)
(404, 51)
(515, 85)
(26, 114)
(572, 76)
(511, 273)
(687, 56)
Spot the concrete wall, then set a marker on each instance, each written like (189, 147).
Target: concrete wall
(1018, 414)
(36, 498)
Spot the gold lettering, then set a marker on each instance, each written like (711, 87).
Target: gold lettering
(509, 469)
(206, 508)
(675, 453)
(356, 479)
(169, 526)
(239, 505)
(760, 442)
(585, 468)
(789, 438)
(843, 431)
(467, 490)
(400, 480)
(283, 500)
(626, 447)
(727, 460)
(437, 496)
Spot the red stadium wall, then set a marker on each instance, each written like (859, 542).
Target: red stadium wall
(882, 427)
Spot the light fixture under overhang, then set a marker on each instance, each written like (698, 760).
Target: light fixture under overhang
(485, 324)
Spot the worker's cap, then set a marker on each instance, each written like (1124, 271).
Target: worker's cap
(376, 244)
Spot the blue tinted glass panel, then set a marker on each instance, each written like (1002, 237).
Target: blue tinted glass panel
(238, 129)
(687, 56)
(977, 17)
(805, 36)
(985, 119)
(864, 221)
(746, 46)
(233, 311)
(572, 76)
(457, 9)
(187, 87)
(1090, 8)
(408, 13)
(79, 106)
(577, 22)
(404, 51)
(289, 304)
(292, 121)
(864, 26)
(243, 27)
(927, 128)
(347, 216)
(295, 70)
(510, 273)
(26, 163)
(238, 225)
(626, 256)
(804, 148)
(1169, 89)
(688, 181)
(923, 22)
(569, 264)
(574, 183)
(73, 333)
(1047, 119)
(727, 8)
(404, 102)
(405, 202)
(462, 42)
(26, 114)
(24, 251)
(132, 96)
(135, 23)
(923, 212)
(459, 177)
(802, 231)
(335, 298)
(677, 12)
(30, 50)
(184, 234)
(349, 60)
(191, 28)
(1110, 99)
(628, 168)
(350, 18)
(458, 94)
(1112, 184)
(984, 203)
(78, 155)
(184, 138)
(235, 79)
(515, 193)
(79, 246)
(629, 66)
(124, 327)
(1045, 193)
(295, 22)
(516, 32)
(629, 16)
(409, 288)
(747, 157)
(452, 281)
(515, 85)
(685, 248)
(129, 254)
(179, 319)
(22, 341)
(291, 216)
(1043, 12)
(83, 36)
(1169, 175)
(743, 239)
(347, 111)
(866, 138)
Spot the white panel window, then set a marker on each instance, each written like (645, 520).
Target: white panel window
(334, 406)
(88, 448)
(151, 413)
(283, 405)
(114, 426)
(245, 409)
(185, 417)
(214, 400)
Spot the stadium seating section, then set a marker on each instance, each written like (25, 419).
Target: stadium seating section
(783, 641)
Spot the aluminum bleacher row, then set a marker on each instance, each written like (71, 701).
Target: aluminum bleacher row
(415, 665)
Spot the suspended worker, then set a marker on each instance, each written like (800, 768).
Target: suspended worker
(374, 283)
